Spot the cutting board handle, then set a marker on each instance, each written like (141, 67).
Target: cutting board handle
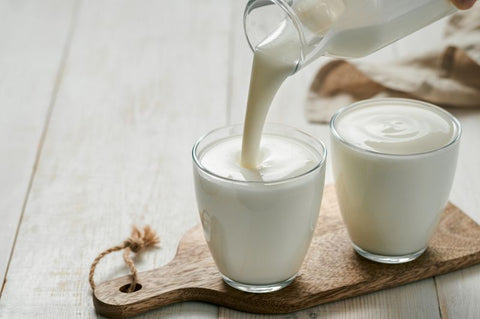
(177, 281)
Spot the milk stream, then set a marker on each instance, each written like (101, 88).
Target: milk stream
(274, 60)
(346, 28)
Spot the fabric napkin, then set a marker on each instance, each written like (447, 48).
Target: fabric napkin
(447, 76)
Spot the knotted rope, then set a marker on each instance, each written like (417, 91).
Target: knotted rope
(136, 243)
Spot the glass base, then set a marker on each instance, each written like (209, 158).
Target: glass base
(385, 259)
(258, 289)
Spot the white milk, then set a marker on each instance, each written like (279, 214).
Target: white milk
(280, 158)
(273, 61)
(259, 223)
(396, 128)
(393, 172)
(275, 58)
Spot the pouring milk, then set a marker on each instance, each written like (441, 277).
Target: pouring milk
(276, 58)
(312, 28)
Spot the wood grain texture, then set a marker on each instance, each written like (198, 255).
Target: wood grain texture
(141, 83)
(330, 272)
(129, 81)
(33, 35)
(458, 292)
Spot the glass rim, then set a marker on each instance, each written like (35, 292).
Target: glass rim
(317, 166)
(453, 119)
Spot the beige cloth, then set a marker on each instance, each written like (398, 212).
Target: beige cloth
(448, 76)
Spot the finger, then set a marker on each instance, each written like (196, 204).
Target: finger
(463, 4)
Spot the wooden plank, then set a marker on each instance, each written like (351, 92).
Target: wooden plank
(458, 292)
(32, 40)
(392, 303)
(466, 185)
(142, 82)
(91, 185)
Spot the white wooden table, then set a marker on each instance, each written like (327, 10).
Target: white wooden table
(100, 103)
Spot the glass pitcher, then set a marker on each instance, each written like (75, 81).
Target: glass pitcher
(341, 28)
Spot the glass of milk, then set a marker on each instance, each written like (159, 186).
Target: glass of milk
(394, 162)
(258, 223)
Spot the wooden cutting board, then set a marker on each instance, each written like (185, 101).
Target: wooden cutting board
(331, 270)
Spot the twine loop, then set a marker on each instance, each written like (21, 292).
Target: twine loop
(137, 242)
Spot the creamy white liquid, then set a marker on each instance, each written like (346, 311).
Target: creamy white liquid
(259, 231)
(391, 201)
(280, 158)
(275, 58)
(273, 61)
(395, 128)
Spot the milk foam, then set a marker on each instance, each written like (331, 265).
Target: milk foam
(395, 128)
(279, 158)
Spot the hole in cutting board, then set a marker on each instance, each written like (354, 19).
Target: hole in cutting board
(127, 286)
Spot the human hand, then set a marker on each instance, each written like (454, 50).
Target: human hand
(463, 4)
